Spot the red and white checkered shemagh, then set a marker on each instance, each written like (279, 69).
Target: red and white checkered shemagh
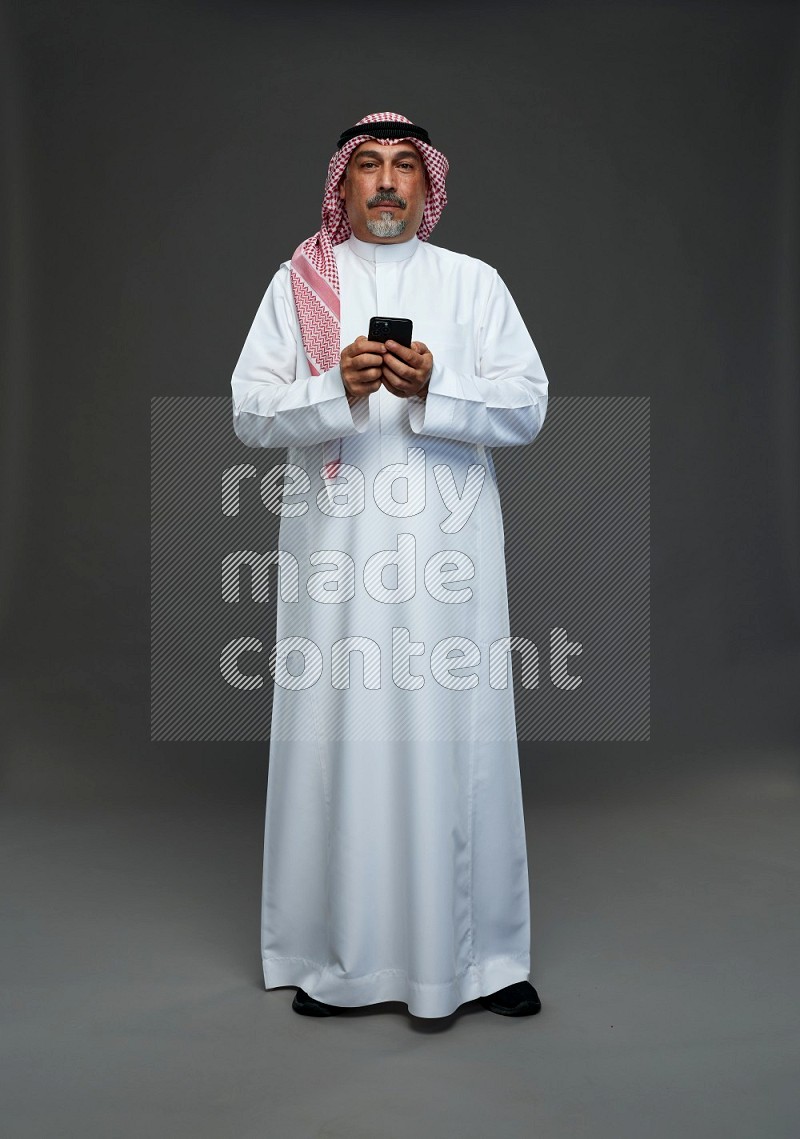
(315, 280)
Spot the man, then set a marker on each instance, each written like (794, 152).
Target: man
(395, 863)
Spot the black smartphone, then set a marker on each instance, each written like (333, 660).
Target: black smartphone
(397, 328)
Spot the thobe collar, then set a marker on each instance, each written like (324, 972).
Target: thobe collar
(374, 251)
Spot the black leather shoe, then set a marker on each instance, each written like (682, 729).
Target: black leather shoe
(308, 1006)
(519, 999)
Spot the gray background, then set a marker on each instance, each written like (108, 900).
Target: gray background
(631, 170)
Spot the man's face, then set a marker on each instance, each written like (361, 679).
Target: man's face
(384, 190)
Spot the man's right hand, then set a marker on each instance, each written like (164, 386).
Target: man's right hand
(361, 366)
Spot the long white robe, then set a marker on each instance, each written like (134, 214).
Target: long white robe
(395, 863)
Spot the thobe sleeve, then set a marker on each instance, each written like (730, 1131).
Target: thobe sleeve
(504, 403)
(272, 406)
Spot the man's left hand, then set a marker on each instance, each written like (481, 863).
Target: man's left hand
(406, 371)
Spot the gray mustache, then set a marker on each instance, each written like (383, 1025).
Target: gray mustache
(378, 198)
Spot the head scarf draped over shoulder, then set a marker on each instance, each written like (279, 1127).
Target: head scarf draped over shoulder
(315, 280)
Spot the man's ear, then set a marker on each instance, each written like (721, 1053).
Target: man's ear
(341, 188)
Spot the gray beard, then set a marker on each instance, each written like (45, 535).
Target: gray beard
(386, 227)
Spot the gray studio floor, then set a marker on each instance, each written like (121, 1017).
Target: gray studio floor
(665, 943)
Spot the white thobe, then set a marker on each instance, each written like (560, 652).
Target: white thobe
(395, 862)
